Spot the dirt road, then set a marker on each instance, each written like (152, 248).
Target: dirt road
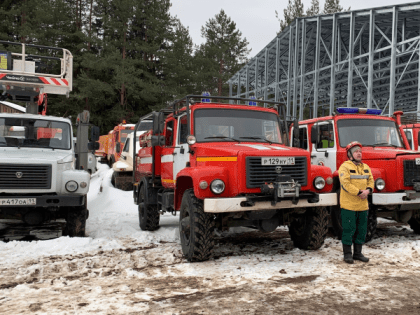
(252, 273)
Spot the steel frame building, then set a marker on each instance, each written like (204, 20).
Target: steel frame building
(363, 58)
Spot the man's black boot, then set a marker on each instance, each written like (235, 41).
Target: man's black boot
(358, 253)
(348, 258)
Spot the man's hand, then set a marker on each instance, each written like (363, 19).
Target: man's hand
(364, 194)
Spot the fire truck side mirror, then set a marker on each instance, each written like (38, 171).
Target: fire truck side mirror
(94, 133)
(314, 134)
(118, 147)
(158, 141)
(158, 122)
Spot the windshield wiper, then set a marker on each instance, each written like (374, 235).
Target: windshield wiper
(223, 137)
(257, 138)
(384, 144)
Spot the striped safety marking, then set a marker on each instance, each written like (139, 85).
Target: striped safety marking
(53, 81)
(2, 75)
(263, 147)
(167, 158)
(147, 160)
(217, 159)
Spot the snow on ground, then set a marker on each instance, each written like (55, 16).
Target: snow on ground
(119, 269)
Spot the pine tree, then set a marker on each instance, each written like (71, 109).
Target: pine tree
(179, 60)
(313, 8)
(293, 10)
(333, 6)
(223, 53)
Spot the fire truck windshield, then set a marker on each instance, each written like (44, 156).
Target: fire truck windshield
(215, 124)
(369, 132)
(18, 132)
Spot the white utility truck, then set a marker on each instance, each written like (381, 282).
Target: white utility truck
(40, 178)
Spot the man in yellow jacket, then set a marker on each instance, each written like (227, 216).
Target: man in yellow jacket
(357, 183)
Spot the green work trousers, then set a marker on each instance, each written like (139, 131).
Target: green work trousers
(354, 226)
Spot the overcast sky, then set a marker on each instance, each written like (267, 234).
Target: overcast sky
(256, 19)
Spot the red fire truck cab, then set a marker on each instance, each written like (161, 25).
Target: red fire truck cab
(395, 168)
(224, 165)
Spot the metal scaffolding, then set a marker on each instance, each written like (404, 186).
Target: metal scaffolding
(362, 58)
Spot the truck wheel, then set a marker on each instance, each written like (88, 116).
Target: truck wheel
(148, 214)
(309, 230)
(415, 224)
(338, 228)
(76, 221)
(113, 180)
(195, 229)
(371, 225)
(126, 186)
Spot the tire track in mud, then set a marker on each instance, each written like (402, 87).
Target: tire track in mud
(155, 279)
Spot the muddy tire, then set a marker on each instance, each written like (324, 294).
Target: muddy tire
(338, 228)
(76, 221)
(126, 186)
(371, 225)
(414, 224)
(309, 230)
(195, 228)
(113, 179)
(148, 214)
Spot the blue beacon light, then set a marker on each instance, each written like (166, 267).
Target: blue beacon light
(205, 100)
(252, 103)
(352, 110)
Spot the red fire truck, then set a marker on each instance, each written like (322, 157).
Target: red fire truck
(110, 145)
(224, 165)
(395, 168)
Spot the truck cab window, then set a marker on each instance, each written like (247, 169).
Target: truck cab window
(326, 133)
(409, 138)
(127, 145)
(182, 135)
(169, 133)
(303, 138)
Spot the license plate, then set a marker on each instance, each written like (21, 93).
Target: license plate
(417, 161)
(278, 161)
(18, 202)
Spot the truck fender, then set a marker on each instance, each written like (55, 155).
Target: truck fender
(325, 172)
(191, 178)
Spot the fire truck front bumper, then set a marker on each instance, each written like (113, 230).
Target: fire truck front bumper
(237, 204)
(407, 197)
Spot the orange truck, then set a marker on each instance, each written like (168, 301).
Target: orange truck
(110, 145)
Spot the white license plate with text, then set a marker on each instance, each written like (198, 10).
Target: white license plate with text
(417, 161)
(278, 161)
(18, 202)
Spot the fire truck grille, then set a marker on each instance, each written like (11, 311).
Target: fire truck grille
(18, 176)
(257, 174)
(411, 172)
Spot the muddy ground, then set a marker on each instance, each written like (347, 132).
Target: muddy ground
(252, 273)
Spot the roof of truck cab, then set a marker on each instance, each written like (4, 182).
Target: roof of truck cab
(38, 117)
(344, 116)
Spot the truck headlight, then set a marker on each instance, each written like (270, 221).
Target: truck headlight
(217, 186)
(319, 182)
(71, 186)
(380, 184)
